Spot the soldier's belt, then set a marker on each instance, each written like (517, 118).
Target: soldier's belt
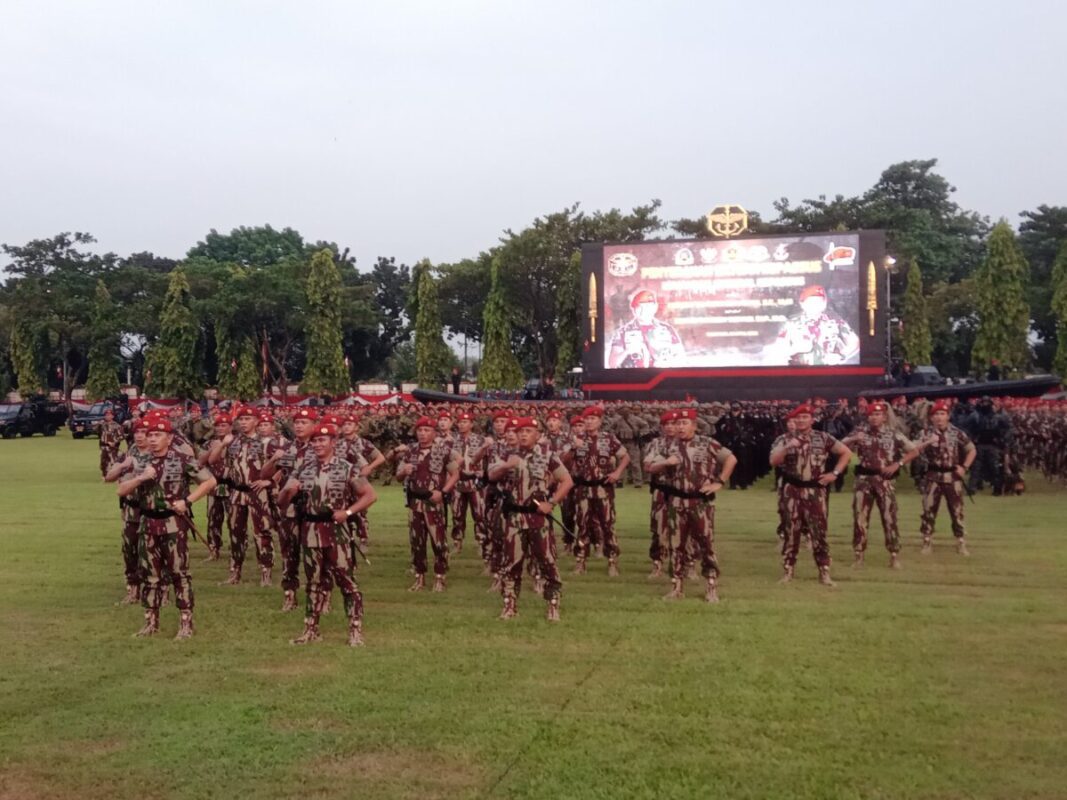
(240, 487)
(584, 482)
(940, 470)
(226, 482)
(411, 495)
(515, 508)
(317, 518)
(871, 471)
(671, 491)
(792, 480)
(152, 513)
(468, 476)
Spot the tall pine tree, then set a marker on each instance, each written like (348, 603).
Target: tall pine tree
(103, 378)
(325, 372)
(432, 356)
(174, 359)
(500, 369)
(917, 343)
(1059, 308)
(1003, 311)
(238, 373)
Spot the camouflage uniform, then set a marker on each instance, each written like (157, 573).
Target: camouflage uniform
(359, 452)
(877, 448)
(466, 496)
(426, 520)
(804, 500)
(594, 458)
(941, 480)
(658, 526)
(131, 525)
(218, 509)
(111, 439)
(291, 461)
(493, 503)
(245, 457)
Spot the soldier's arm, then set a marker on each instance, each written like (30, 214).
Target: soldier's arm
(288, 492)
(217, 447)
(844, 455)
(364, 494)
(564, 484)
(206, 484)
(727, 464)
(376, 460)
(128, 487)
(123, 466)
(453, 473)
(622, 461)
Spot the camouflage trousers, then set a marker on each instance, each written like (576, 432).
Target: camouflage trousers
(262, 522)
(595, 519)
(658, 528)
(493, 547)
(326, 567)
(539, 546)
(165, 559)
(806, 509)
(634, 469)
(783, 513)
(108, 458)
(932, 492)
(462, 502)
(692, 529)
(131, 555)
(871, 491)
(568, 511)
(217, 510)
(427, 523)
(289, 544)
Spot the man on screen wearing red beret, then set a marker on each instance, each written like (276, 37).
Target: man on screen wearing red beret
(645, 341)
(816, 337)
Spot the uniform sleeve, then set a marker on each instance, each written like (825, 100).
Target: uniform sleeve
(616, 446)
(720, 453)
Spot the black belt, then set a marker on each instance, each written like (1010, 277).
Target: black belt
(240, 487)
(584, 482)
(514, 508)
(317, 518)
(468, 476)
(226, 482)
(940, 470)
(803, 484)
(152, 513)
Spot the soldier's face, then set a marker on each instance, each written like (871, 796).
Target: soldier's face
(246, 424)
(813, 306)
(322, 446)
(348, 428)
(644, 313)
(554, 424)
(425, 435)
(876, 418)
(686, 428)
(444, 424)
(464, 426)
(223, 429)
(500, 425)
(140, 438)
(158, 442)
(511, 438)
(802, 423)
(265, 428)
(592, 424)
(528, 437)
(940, 419)
(302, 427)
(578, 429)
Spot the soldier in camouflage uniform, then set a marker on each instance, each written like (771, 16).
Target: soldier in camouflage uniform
(218, 502)
(948, 453)
(201, 430)
(629, 428)
(162, 490)
(137, 458)
(883, 452)
(111, 438)
(658, 524)
(472, 448)
(598, 460)
(803, 459)
(498, 451)
(332, 493)
(290, 461)
(695, 468)
(529, 471)
(569, 509)
(363, 455)
(429, 470)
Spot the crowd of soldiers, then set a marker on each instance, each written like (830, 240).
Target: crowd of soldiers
(531, 484)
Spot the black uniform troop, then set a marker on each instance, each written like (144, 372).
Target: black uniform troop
(297, 483)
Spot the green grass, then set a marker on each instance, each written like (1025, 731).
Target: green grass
(944, 680)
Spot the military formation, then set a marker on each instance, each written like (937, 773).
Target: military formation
(297, 481)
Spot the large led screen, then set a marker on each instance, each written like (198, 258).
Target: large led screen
(780, 301)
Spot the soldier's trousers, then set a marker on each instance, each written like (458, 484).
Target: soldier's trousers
(932, 492)
(427, 523)
(217, 510)
(634, 469)
(693, 531)
(326, 567)
(568, 510)
(289, 544)
(537, 544)
(595, 517)
(165, 559)
(462, 502)
(131, 556)
(658, 527)
(783, 514)
(870, 491)
(239, 517)
(492, 551)
(988, 468)
(806, 510)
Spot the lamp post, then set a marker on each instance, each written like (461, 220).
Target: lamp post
(889, 263)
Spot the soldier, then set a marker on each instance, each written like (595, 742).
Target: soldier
(218, 502)
(429, 470)
(290, 460)
(163, 493)
(598, 459)
(696, 467)
(471, 447)
(248, 473)
(629, 428)
(498, 451)
(948, 453)
(111, 438)
(137, 458)
(658, 523)
(803, 459)
(332, 493)
(201, 431)
(883, 452)
(992, 436)
(365, 457)
(529, 470)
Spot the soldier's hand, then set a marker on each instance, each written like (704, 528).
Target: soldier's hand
(436, 497)
(674, 461)
(227, 439)
(827, 478)
(179, 507)
(960, 470)
(545, 507)
(514, 462)
(340, 516)
(262, 484)
(366, 471)
(710, 487)
(793, 443)
(889, 471)
(489, 442)
(148, 474)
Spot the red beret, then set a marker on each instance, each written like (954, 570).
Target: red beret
(941, 405)
(876, 406)
(332, 419)
(142, 424)
(593, 411)
(803, 408)
(555, 413)
(685, 413)
(515, 423)
(425, 422)
(266, 416)
(642, 296)
(815, 290)
(306, 412)
(160, 424)
(222, 418)
(325, 429)
(465, 415)
(245, 411)
(668, 416)
(501, 414)
(577, 420)
(444, 413)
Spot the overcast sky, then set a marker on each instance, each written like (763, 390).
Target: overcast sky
(424, 129)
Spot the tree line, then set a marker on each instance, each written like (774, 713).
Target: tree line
(259, 307)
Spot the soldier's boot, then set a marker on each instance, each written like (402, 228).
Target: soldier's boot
(961, 547)
(310, 634)
(457, 545)
(677, 591)
(824, 576)
(329, 602)
(151, 623)
(539, 585)
(213, 554)
(132, 595)
(711, 594)
(419, 584)
(657, 570)
(857, 561)
(289, 600)
(438, 583)
(613, 567)
(264, 576)
(552, 614)
(509, 611)
(928, 547)
(233, 579)
(355, 632)
(579, 566)
(496, 585)
(185, 625)
(787, 574)
(894, 561)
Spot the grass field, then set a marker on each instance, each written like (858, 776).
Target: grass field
(944, 680)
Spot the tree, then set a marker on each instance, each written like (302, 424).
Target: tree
(1003, 313)
(27, 348)
(568, 315)
(463, 288)
(1059, 308)
(917, 343)
(104, 348)
(1042, 233)
(432, 356)
(172, 365)
(238, 373)
(250, 247)
(500, 368)
(325, 372)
